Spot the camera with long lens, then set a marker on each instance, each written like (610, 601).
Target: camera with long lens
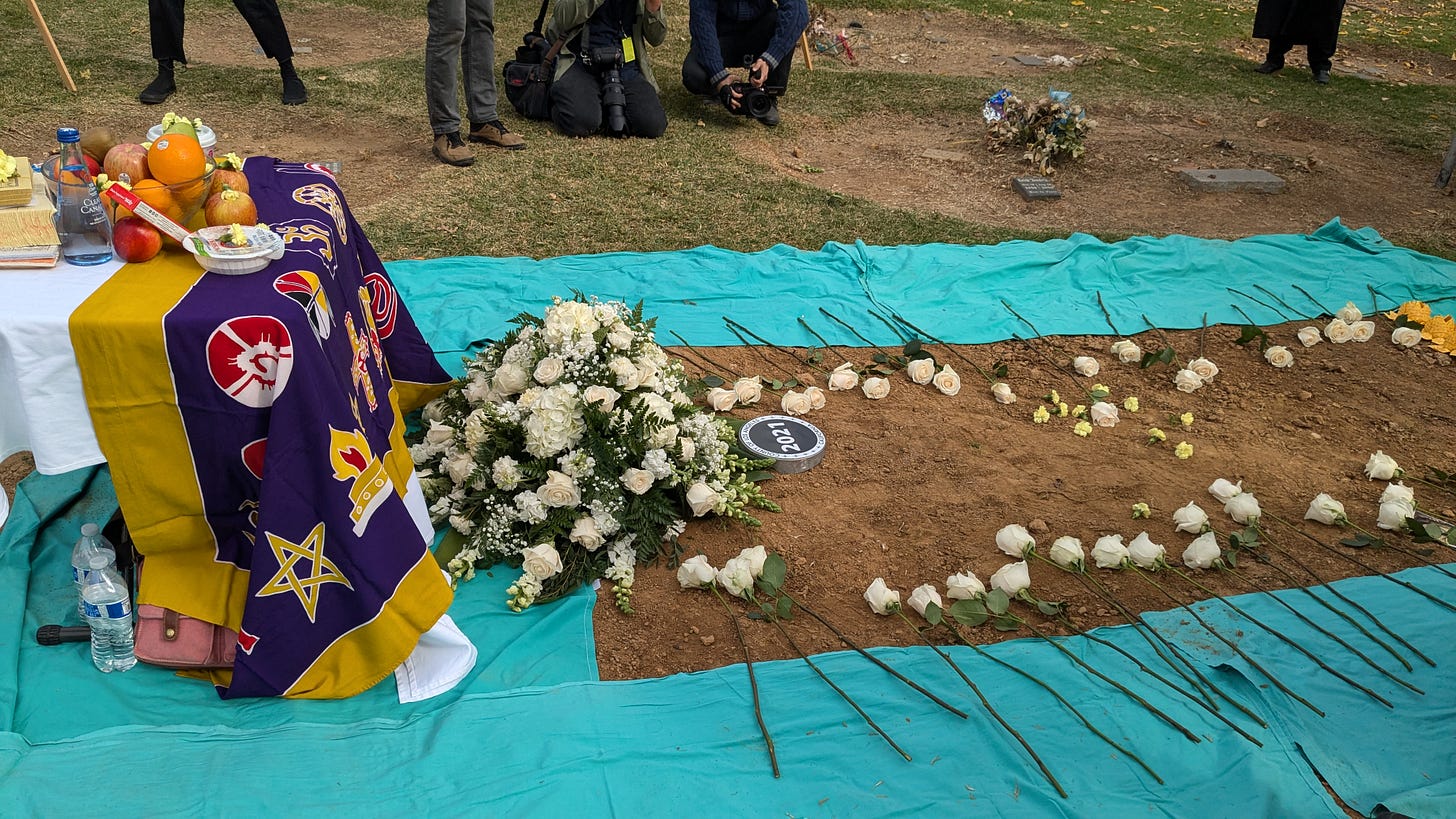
(607, 62)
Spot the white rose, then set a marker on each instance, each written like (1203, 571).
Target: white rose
(1405, 336)
(1001, 391)
(1012, 578)
(657, 405)
(439, 433)
(1202, 552)
(628, 378)
(459, 467)
(1310, 336)
(1393, 514)
(1349, 313)
(923, 596)
(586, 534)
(721, 399)
(510, 379)
(701, 499)
(1339, 331)
(964, 586)
(1325, 509)
(598, 393)
(620, 338)
(844, 377)
(1191, 518)
(637, 481)
(1279, 356)
(433, 411)
(948, 381)
(1086, 365)
(748, 390)
(1144, 552)
(1224, 490)
(1108, 552)
(1204, 368)
(663, 438)
(1362, 331)
(1126, 351)
(1015, 540)
(755, 555)
(558, 490)
(795, 403)
(882, 598)
(695, 572)
(736, 577)
(548, 370)
(817, 397)
(541, 561)
(921, 370)
(647, 373)
(1398, 492)
(876, 388)
(1243, 507)
(1382, 467)
(1187, 381)
(1104, 414)
(1066, 552)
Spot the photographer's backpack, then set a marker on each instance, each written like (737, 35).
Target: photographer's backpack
(528, 77)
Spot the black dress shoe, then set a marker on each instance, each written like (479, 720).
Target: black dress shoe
(160, 88)
(1269, 66)
(1322, 76)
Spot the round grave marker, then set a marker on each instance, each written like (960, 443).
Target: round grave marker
(794, 445)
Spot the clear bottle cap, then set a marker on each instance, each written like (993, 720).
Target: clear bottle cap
(90, 530)
(98, 561)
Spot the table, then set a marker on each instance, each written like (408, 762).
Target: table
(254, 429)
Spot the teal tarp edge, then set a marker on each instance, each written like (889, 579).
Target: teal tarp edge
(52, 693)
(952, 292)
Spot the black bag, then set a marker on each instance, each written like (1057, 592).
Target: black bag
(528, 77)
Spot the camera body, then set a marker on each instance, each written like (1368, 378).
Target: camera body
(754, 101)
(606, 61)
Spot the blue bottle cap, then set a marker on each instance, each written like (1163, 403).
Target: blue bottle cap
(68, 135)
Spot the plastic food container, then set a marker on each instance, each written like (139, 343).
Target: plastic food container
(263, 247)
(205, 137)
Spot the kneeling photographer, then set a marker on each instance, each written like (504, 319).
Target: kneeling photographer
(603, 79)
(764, 30)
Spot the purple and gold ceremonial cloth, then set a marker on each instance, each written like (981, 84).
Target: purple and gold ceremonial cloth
(254, 429)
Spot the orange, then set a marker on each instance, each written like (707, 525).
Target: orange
(176, 158)
(154, 193)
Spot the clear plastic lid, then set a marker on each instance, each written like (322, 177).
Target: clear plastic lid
(90, 530)
(215, 242)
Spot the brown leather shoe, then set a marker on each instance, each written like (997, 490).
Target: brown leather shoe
(451, 151)
(496, 134)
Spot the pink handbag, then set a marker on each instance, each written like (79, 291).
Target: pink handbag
(171, 640)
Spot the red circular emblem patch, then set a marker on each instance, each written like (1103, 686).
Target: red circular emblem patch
(250, 358)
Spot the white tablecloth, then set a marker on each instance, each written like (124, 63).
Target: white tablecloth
(42, 408)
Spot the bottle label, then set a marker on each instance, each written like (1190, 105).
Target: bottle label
(110, 611)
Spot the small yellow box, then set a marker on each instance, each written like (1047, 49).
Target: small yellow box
(17, 189)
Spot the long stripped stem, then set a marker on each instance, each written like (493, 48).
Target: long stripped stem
(1362, 564)
(1107, 315)
(1231, 644)
(1317, 627)
(773, 759)
(761, 340)
(876, 660)
(759, 352)
(954, 629)
(953, 351)
(985, 703)
(840, 691)
(821, 339)
(1266, 291)
(1324, 311)
(1310, 655)
(1259, 302)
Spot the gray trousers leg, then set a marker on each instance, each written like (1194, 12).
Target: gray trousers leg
(460, 45)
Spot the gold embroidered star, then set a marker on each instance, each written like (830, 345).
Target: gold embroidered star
(287, 579)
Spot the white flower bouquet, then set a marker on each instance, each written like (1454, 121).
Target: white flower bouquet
(571, 449)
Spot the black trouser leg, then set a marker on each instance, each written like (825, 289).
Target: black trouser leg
(267, 24)
(576, 102)
(166, 19)
(1278, 47)
(645, 115)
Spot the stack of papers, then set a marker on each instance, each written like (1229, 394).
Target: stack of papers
(28, 232)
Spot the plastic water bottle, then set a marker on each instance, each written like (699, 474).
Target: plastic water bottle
(108, 613)
(80, 220)
(92, 542)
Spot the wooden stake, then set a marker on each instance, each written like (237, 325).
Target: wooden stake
(45, 33)
(803, 43)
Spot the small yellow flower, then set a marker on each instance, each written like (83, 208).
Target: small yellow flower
(1186, 419)
(1141, 510)
(1054, 397)
(1156, 435)
(1417, 311)
(1041, 416)
(1083, 428)
(1079, 411)
(1184, 450)
(1130, 403)
(7, 167)
(1102, 388)
(1061, 409)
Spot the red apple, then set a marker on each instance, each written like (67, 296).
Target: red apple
(92, 165)
(228, 207)
(127, 158)
(135, 240)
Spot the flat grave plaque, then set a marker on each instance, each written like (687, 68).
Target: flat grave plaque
(793, 444)
(1231, 180)
(1033, 188)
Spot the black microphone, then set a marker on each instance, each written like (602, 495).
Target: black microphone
(52, 635)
